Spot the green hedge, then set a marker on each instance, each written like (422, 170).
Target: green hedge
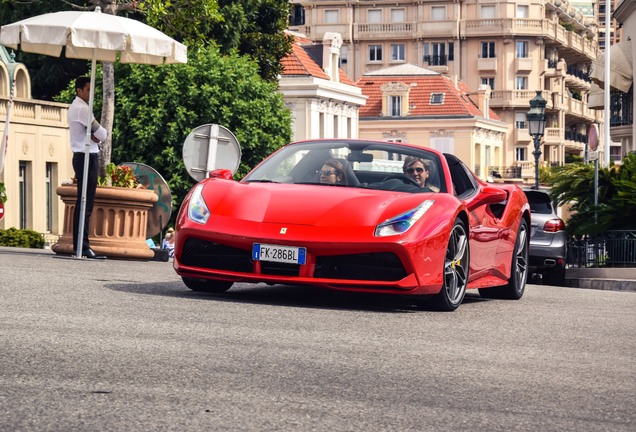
(25, 238)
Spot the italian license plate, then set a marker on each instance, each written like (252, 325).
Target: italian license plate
(283, 254)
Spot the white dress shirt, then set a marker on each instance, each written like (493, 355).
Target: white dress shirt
(77, 116)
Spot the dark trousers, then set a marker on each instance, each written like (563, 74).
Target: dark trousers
(91, 186)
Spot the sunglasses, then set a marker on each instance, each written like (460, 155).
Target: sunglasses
(325, 173)
(412, 170)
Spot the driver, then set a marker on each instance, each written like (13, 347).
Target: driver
(419, 170)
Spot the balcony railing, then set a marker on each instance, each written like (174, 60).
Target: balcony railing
(436, 60)
(35, 112)
(387, 30)
(510, 172)
(576, 137)
(575, 71)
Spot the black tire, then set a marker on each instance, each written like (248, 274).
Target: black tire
(519, 269)
(207, 285)
(456, 266)
(555, 277)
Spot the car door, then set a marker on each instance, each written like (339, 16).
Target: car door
(484, 228)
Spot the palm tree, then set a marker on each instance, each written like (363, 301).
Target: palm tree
(573, 186)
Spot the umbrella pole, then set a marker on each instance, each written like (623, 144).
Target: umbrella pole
(87, 149)
(5, 134)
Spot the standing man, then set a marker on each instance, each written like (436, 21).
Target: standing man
(77, 117)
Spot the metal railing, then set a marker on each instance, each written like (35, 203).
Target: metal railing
(436, 60)
(611, 249)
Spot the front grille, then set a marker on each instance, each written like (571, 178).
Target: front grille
(280, 269)
(199, 253)
(379, 266)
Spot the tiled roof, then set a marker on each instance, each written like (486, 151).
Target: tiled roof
(300, 63)
(456, 101)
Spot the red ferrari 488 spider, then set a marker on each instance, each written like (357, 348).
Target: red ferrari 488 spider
(356, 215)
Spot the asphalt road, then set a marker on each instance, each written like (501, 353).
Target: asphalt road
(125, 346)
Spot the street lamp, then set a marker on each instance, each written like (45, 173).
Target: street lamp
(536, 127)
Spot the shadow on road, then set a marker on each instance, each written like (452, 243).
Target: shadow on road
(293, 296)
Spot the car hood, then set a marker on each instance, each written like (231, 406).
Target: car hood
(318, 205)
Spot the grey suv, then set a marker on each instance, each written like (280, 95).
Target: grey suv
(548, 239)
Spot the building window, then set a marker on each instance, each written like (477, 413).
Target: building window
(523, 11)
(343, 55)
(451, 51)
(398, 15)
(395, 106)
(521, 83)
(375, 53)
(488, 12)
(520, 120)
(521, 154)
(23, 194)
(332, 16)
(437, 98)
(438, 13)
(297, 15)
(489, 81)
(522, 49)
(397, 52)
(50, 194)
(435, 54)
(488, 50)
(374, 16)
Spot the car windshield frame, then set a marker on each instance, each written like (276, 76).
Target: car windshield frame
(373, 165)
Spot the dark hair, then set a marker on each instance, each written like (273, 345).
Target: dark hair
(410, 160)
(80, 82)
(340, 171)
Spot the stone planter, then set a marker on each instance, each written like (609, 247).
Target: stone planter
(118, 223)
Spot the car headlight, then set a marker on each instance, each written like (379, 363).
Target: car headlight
(197, 209)
(403, 222)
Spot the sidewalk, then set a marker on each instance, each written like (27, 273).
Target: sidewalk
(613, 279)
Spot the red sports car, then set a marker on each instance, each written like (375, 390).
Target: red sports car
(356, 215)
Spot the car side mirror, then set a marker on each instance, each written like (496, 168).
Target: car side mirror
(491, 195)
(225, 174)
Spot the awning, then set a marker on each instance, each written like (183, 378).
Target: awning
(596, 97)
(621, 69)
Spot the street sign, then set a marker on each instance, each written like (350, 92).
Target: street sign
(209, 147)
(1, 210)
(159, 214)
(592, 139)
(592, 155)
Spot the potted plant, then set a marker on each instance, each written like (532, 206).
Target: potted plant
(119, 220)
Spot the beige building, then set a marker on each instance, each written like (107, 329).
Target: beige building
(323, 100)
(412, 104)
(515, 47)
(38, 156)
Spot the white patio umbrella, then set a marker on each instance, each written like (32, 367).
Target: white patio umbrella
(92, 36)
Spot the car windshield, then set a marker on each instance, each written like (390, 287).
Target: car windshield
(361, 164)
(539, 202)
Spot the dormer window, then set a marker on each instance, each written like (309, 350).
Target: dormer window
(437, 98)
(395, 99)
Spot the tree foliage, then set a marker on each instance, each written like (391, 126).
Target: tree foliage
(573, 186)
(251, 27)
(157, 107)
